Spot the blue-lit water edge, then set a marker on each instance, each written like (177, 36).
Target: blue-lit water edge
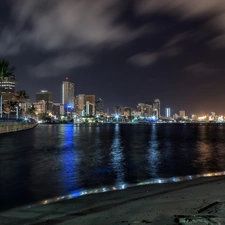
(53, 162)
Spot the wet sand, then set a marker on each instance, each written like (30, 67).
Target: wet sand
(200, 200)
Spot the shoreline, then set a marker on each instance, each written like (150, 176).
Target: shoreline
(159, 203)
(121, 187)
(110, 188)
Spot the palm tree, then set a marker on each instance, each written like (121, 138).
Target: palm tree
(22, 97)
(31, 111)
(5, 71)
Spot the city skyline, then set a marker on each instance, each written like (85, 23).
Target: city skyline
(154, 103)
(123, 52)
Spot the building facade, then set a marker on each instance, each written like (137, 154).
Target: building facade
(40, 106)
(85, 105)
(58, 109)
(47, 97)
(156, 108)
(99, 106)
(145, 109)
(68, 94)
(90, 104)
(167, 112)
(7, 88)
(182, 114)
(8, 84)
(80, 104)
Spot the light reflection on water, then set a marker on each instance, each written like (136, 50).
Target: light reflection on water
(55, 160)
(69, 157)
(153, 153)
(117, 157)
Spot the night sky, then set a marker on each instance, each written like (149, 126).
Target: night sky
(125, 52)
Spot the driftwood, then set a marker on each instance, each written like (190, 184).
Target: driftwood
(207, 206)
(191, 219)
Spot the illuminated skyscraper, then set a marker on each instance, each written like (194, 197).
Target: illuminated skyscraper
(156, 108)
(168, 112)
(47, 97)
(182, 114)
(68, 94)
(99, 105)
(7, 88)
(85, 104)
(8, 84)
(140, 108)
(90, 104)
(145, 109)
(80, 104)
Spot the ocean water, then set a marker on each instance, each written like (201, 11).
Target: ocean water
(53, 162)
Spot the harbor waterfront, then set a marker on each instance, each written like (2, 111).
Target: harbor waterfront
(66, 159)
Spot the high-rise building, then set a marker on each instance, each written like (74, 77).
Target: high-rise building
(127, 112)
(148, 111)
(140, 108)
(182, 114)
(145, 109)
(175, 116)
(58, 109)
(99, 106)
(40, 106)
(80, 104)
(90, 105)
(167, 112)
(7, 88)
(8, 84)
(156, 108)
(47, 97)
(68, 94)
(85, 104)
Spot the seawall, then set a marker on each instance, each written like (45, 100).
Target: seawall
(8, 126)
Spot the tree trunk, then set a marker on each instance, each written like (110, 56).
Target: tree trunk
(0, 105)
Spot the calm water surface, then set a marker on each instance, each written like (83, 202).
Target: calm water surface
(55, 160)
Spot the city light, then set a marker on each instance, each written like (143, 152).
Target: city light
(84, 108)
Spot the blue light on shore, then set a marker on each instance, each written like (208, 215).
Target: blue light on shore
(75, 194)
(79, 193)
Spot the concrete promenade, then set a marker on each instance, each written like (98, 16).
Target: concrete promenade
(7, 126)
(197, 201)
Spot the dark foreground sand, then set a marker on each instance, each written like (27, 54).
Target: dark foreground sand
(198, 201)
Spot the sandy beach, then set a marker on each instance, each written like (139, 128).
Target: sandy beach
(198, 201)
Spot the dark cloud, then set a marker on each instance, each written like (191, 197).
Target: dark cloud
(144, 59)
(213, 12)
(56, 66)
(199, 70)
(184, 9)
(166, 43)
(169, 49)
(217, 42)
(65, 26)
